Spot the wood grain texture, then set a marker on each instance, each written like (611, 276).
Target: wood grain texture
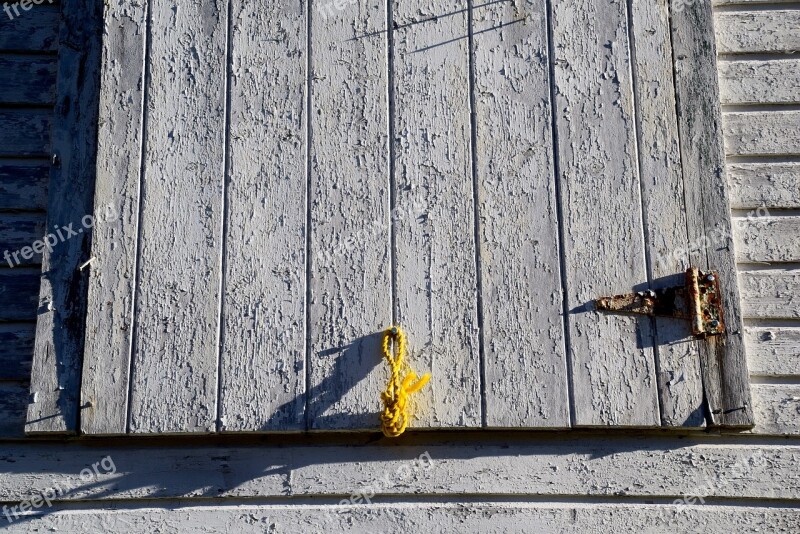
(25, 132)
(679, 375)
(18, 233)
(20, 286)
(13, 400)
(762, 133)
(176, 339)
(777, 409)
(436, 280)
(613, 373)
(32, 31)
(55, 374)
(16, 350)
(110, 297)
(445, 518)
(27, 80)
(767, 239)
(762, 31)
(759, 81)
(753, 185)
(773, 351)
(521, 276)
(23, 184)
(350, 290)
(725, 377)
(771, 294)
(263, 353)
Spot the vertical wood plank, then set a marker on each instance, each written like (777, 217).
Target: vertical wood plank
(262, 366)
(725, 376)
(175, 348)
(109, 315)
(677, 357)
(612, 355)
(436, 281)
(58, 351)
(522, 293)
(350, 291)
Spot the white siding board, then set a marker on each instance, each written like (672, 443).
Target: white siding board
(771, 294)
(767, 239)
(762, 133)
(777, 409)
(762, 31)
(773, 351)
(772, 185)
(759, 82)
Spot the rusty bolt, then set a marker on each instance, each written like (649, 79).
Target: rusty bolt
(714, 323)
(710, 278)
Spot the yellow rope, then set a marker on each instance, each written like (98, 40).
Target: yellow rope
(396, 412)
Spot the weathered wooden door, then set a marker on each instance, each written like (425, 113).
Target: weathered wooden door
(293, 178)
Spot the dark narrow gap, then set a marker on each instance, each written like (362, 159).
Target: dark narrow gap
(148, 38)
(227, 164)
(648, 261)
(307, 307)
(473, 116)
(562, 239)
(390, 51)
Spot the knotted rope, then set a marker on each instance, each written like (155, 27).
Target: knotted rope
(396, 413)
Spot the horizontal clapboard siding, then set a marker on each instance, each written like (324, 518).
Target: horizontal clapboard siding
(762, 133)
(771, 81)
(27, 80)
(758, 31)
(16, 349)
(35, 31)
(767, 239)
(775, 185)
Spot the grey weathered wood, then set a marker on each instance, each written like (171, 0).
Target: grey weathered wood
(350, 290)
(55, 376)
(613, 373)
(263, 354)
(18, 233)
(677, 360)
(13, 399)
(36, 30)
(753, 185)
(16, 350)
(176, 337)
(776, 409)
(762, 133)
(27, 80)
(771, 294)
(389, 516)
(759, 82)
(19, 286)
(23, 184)
(767, 239)
(725, 376)
(25, 132)
(109, 315)
(523, 328)
(587, 465)
(757, 31)
(773, 351)
(435, 281)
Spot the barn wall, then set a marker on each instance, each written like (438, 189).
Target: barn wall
(554, 481)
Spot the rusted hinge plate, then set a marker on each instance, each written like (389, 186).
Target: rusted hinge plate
(698, 300)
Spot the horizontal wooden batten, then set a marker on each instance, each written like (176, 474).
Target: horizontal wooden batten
(34, 31)
(762, 133)
(758, 31)
(18, 233)
(27, 79)
(759, 82)
(771, 293)
(16, 350)
(776, 409)
(13, 401)
(20, 286)
(767, 239)
(773, 351)
(771, 185)
(25, 132)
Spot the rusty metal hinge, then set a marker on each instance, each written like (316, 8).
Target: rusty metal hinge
(699, 301)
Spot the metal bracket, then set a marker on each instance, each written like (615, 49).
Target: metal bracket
(699, 301)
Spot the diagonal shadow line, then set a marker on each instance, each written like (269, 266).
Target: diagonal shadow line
(443, 43)
(429, 19)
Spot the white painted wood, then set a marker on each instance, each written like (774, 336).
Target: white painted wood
(767, 239)
(520, 261)
(522, 465)
(175, 348)
(436, 283)
(679, 374)
(759, 81)
(445, 518)
(762, 133)
(761, 31)
(777, 409)
(112, 280)
(350, 287)
(773, 351)
(771, 293)
(263, 353)
(753, 185)
(613, 373)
